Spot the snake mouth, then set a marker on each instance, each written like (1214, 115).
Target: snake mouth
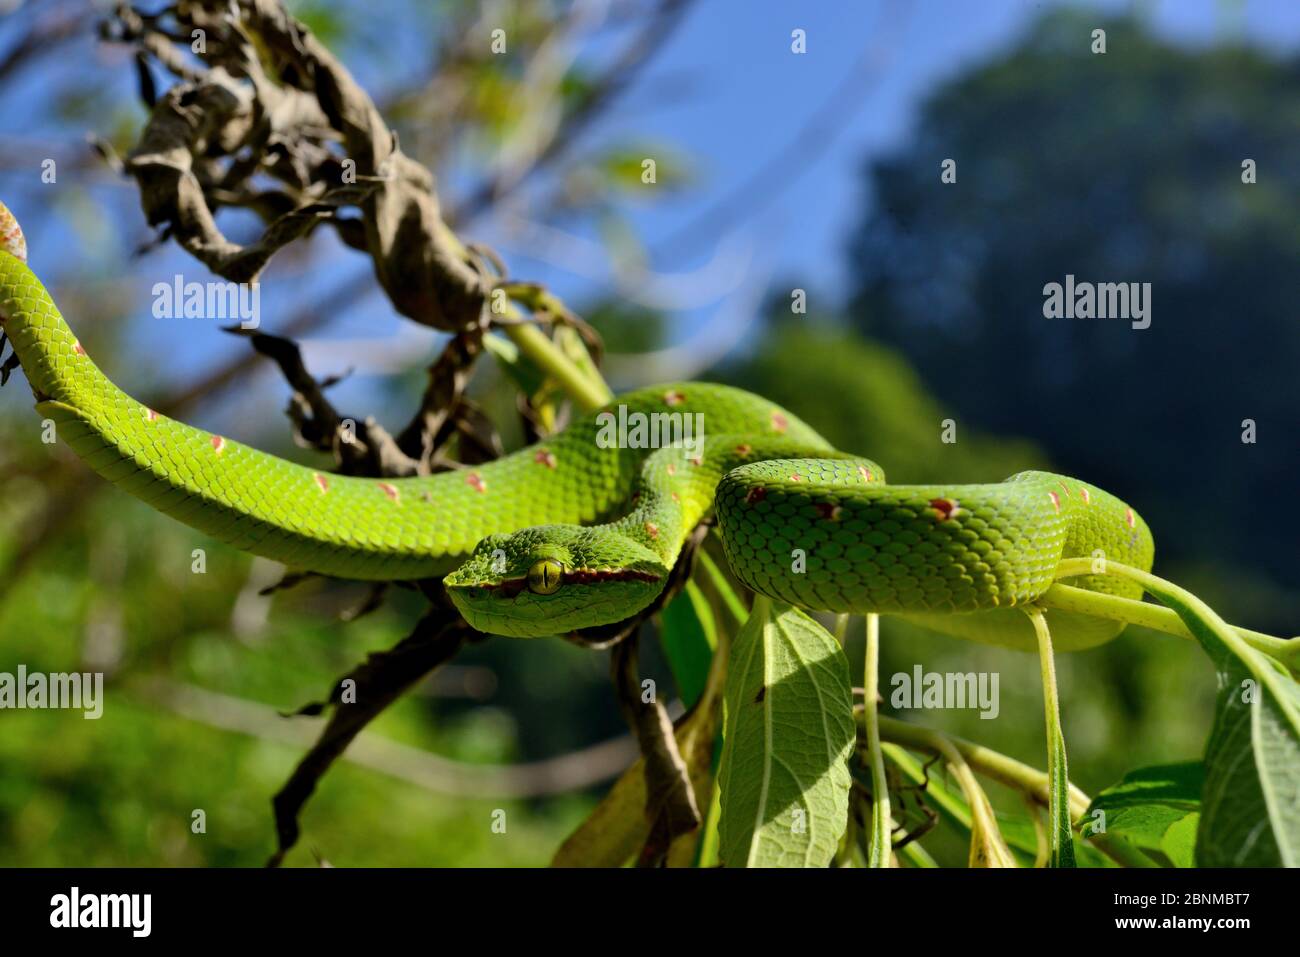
(586, 598)
(510, 587)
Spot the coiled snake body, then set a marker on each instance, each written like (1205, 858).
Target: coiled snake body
(579, 531)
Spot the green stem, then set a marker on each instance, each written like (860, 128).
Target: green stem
(1058, 773)
(987, 844)
(1120, 851)
(1266, 669)
(588, 393)
(988, 847)
(992, 764)
(880, 846)
(996, 766)
(916, 855)
(1041, 856)
(1155, 617)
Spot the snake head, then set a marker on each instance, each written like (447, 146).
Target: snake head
(553, 579)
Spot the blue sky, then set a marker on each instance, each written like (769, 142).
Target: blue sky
(726, 91)
(756, 95)
(739, 96)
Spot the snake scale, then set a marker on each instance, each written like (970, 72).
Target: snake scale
(576, 532)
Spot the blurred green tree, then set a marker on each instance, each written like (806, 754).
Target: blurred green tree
(1122, 167)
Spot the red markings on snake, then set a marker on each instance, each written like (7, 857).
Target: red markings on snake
(945, 508)
(475, 481)
(828, 511)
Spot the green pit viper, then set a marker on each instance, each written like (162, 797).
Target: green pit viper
(575, 532)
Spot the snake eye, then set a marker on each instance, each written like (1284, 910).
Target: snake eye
(545, 576)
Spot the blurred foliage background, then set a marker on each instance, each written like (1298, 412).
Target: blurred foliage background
(1122, 167)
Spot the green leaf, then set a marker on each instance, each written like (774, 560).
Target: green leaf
(618, 826)
(1018, 830)
(1155, 809)
(1250, 805)
(784, 773)
(688, 640)
(1251, 802)
(518, 368)
(1179, 844)
(614, 830)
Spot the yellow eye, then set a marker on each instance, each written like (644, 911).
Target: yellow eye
(545, 576)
